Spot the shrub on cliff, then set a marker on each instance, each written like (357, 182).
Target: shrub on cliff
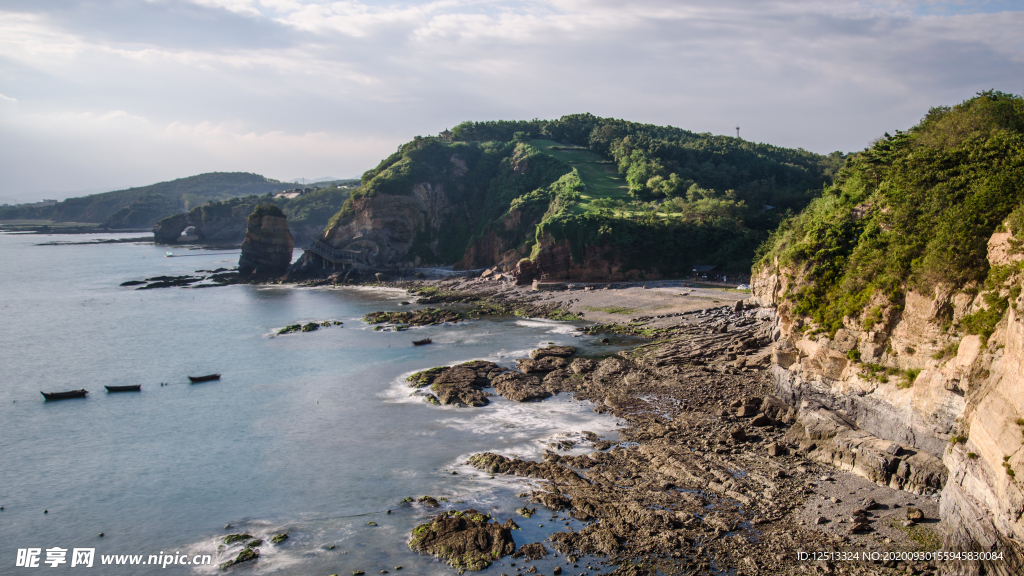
(266, 209)
(914, 210)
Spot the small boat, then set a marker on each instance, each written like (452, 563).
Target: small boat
(132, 388)
(65, 395)
(206, 378)
(421, 342)
(169, 255)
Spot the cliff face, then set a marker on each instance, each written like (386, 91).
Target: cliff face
(225, 224)
(267, 248)
(913, 405)
(383, 227)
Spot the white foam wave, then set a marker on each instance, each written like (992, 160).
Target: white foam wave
(552, 326)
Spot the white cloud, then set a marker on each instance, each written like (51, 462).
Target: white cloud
(6, 98)
(229, 80)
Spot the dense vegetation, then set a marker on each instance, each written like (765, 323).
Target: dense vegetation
(660, 198)
(144, 206)
(913, 211)
(307, 214)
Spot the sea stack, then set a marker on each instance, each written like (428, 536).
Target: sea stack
(267, 248)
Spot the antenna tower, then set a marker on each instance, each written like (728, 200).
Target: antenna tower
(737, 130)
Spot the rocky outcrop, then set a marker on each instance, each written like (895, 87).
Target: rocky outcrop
(897, 397)
(467, 540)
(267, 248)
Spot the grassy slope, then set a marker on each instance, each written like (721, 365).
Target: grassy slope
(600, 176)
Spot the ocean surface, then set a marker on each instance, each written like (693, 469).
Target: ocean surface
(313, 434)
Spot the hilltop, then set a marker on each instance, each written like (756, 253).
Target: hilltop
(143, 206)
(577, 197)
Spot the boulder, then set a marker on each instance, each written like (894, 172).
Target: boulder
(560, 351)
(581, 365)
(544, 364)
(519, 387)
(267, 248)
(467, 540)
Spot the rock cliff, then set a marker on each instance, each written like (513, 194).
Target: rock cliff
(267, 248)
(912, 403)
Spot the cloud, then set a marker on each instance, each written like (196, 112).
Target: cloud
(5, 98)
(344, 82)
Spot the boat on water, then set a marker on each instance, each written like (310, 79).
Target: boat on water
(64, 395)
(132, 388)
(421, 342)
(206, 378)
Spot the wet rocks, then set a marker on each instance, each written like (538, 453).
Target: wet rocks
(429, 502)
(519, 387)
(232, 538)
(267, 248)
(467, 540)
(278, 538)
(246, 555)
(462, 384)
(534, 551)
(582, 365)
(543, 365)
(424, 317)
(425, 377)
(557, 351)
(308, 326)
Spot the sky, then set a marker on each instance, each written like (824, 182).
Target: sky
(104, 94)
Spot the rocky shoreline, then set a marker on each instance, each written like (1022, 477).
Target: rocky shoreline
(711, 473)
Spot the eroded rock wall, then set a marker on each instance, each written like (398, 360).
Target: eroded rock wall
(267, 248)
(904, 401)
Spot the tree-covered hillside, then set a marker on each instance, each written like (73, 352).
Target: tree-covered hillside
(659, 199)
(914, 211)
(143, 206)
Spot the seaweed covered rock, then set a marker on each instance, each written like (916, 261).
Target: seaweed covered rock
(246, 555)
(267, 248)
(463, 384)
(425, 377)
(519, 387)
(467, 540)
(424, 317)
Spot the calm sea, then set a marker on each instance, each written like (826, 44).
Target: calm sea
(313, 434)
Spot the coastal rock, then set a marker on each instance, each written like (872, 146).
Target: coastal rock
(560, 351)
(246, 555)
(267, 248)
(467, 540)
(519, 387)
(461, 384)
(544, 364)
(534, 551)
(582, 365)
(424, 317)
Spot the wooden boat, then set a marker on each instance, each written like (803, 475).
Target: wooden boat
(421, 342)
(132, 388)
(64, 395)
(206, 378)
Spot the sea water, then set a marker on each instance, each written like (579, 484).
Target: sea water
(313, 434)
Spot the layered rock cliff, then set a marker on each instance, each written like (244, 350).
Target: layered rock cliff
(909, 405)
(267, 248)
(898, 330)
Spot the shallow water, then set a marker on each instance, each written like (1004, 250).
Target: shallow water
(310, 433)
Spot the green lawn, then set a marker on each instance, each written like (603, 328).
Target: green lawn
(602, 180)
